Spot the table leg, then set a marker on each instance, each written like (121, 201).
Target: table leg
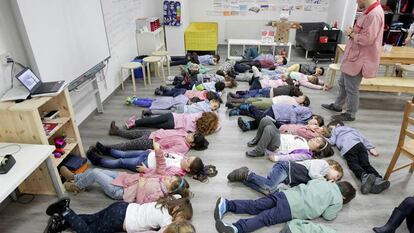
(168, 65)
(149, 73)
(121, 78)
(228, 49)
(54, 175)
(337, 54)
(162, 71)
(133, 80)
(144, 75)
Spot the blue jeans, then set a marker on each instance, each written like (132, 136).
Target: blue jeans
(126, 159)
(269, 210)
(108, 220)
(251, 53)
(104, 178)
(268, 185)
(265, 92)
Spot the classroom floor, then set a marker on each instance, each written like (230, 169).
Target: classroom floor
(379, 119)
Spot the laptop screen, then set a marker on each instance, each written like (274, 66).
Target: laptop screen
(28, 79)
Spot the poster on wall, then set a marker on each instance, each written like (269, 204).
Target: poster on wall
(172, 13)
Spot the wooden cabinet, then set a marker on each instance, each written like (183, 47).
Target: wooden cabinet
(22, 123)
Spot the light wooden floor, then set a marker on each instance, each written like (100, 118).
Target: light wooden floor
(379, 119)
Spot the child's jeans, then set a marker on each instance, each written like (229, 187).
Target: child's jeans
(357, 160)
(265, 92)
(268, 185)
(251, 53)
(104, 178)
(126, 159)
(108, 220)
(269, 210)
(174, 92)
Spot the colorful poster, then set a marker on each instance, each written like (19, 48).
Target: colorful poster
(172, 13)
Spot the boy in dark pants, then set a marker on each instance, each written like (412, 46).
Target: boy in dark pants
(317, 198)
(354, 147)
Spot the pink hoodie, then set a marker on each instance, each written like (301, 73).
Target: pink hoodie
(148, 186)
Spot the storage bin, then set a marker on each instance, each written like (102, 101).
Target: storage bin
(201, 36)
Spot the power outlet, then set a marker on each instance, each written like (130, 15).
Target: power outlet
(4, 58)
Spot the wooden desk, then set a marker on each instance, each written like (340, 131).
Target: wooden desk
(28, 159)
(404, 55)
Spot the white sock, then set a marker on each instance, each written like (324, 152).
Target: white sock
(256, 72)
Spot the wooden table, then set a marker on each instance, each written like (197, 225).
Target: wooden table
(28, 158)
(404, 55)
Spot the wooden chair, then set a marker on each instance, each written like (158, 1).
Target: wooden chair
(405, 142)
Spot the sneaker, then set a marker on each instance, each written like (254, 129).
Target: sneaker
(256, 72)
(379, 185)
(230, 105)
(130, 122)
(129, 100)
(168, 82)
(58, 207)
(221, 208)
(146, 113)
(71, 187)
(171, 78)
(113, 129)
(343, 117)
(254, 153)
(55, 224)
(367, 181)
(243, 125)
(66, 173)
(222, 227)
(252, 142)
(93, 157)
(162, 88)
(102, 149)
(234, 112)
(331, 107)
(239, 174)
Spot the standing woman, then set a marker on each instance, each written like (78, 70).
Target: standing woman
(361, 58)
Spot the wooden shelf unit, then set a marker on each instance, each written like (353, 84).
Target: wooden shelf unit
(21, 123)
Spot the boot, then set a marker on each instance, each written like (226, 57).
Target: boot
(113, 129)
(243, 125)
(58, 207)
(252, 142)
(380, 185)
(93, 157)
(397, 217)
(101, 148)
(71, 187)
(230, 105)
(66, 173)
(367, 181)
(56, 224)
(239, 174)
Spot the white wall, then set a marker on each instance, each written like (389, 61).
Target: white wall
(199, 13)
(342, 11)
(175, 35)
(9, 42)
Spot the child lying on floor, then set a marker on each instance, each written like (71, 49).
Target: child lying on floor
(265, 103)
(286, 147)
(309, 81)
(354, 147)
(288, 173)
(266, 60)
(306, 201)
(306, 69)
(160, 182)
(210, 86)
(201, 106)
(120, 216)
(308, 131)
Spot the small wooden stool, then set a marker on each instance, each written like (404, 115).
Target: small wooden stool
(157, 63)
(165, 58)
(131, 66)
(333, 68)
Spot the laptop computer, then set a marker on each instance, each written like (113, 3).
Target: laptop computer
(35, 85)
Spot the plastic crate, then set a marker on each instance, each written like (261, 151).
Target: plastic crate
(201, 36)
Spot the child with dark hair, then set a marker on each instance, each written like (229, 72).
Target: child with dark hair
(280, 113)
(354, 147)
(170, 140)
(265, 93)
(288, 173)
(210, 86)
(119, 216)
(266, 60)
(404, 211)
(200, 106)
(305, 201)
(307, 69)
(286, 147)
(309, 81)
(196, 59)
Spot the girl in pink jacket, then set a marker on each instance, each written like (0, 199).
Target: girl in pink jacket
(139, 188)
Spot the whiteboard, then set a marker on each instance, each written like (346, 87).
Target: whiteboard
(63, 38)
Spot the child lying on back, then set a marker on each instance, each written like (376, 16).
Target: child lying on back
(308, 131)
(288, 173)
(309, 81)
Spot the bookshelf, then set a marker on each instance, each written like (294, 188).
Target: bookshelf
(22, 123)
(397, 11)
